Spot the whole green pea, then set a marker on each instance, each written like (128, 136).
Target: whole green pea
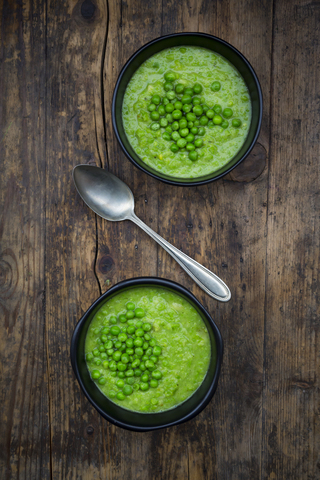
(196, 101)
(169, 118)
(113, 366)
(131, 329)
(125, 358)
(170, 95)
(137, 372)
(129, 373)
(130, 380)
(113, 319)
(142, 366)
(188, 91)
(163, 122)
(166, 136)
(197, 88)
(121, 367)
(95, 374)
(152, 107)
(179, 88)
(168, 86)
(197, 110)
(102, 381)
(120, 383)
(89, 357)
(189, 138)
(217, 119)
(227, 112)
(144, 386)
(157, 350)
(183, 123)
(120, 396)
(184, 132)
(197, 143)
(204, 120)
(236, 122)
(210, 113)
(215, 86)
(122, 318)
(145, 377)
(138, 342)
(186, 99)
(153, 383)
(217, 108)
(176, 114)
(155, 126)
(175, 126)
(175, 136)
(115, 330)
(178, 105)
(170, 76)
(136, 363)
(116, 356)
(181, 143)
(193, 155)
(145, 345)
(122, 337)
(149, 364)
(225, 124)
(169, 108)
(174, 148)
(161, 111)
(138, 351)
(139, 312)
(155, 99)
(156, 374)
(127, 390)
(201, 131)
(187, 108)
(190, 147)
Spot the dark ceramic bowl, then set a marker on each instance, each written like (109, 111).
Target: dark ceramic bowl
(142, 422)
(192, 39)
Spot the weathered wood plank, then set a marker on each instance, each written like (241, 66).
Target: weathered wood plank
(74, 134)
(291, 402)
(25, 450)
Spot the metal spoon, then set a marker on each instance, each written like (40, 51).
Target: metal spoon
(113, 200)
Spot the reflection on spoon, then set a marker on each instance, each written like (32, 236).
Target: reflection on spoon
(112, 199)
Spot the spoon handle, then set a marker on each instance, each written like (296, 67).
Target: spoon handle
(208, 281)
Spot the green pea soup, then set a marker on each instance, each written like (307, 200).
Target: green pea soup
(148, 349)
(219, 105)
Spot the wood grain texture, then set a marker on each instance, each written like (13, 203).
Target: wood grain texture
(258, 229)
(25, 446)
(291, 398)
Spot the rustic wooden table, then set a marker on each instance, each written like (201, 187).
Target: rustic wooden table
(258, 229)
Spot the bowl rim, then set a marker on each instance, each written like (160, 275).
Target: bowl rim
(161, 282)
(113, 109)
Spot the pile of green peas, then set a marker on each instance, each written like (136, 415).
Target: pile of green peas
(129, 351)
(184, 115)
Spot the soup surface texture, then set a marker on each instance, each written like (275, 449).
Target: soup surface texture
(222, 121)
(148, 349)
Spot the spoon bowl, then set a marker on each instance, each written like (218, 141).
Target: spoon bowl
(112, 199)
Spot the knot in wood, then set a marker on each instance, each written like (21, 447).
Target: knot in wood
(87, 9)
(106, 264)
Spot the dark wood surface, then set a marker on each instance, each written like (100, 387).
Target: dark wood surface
(258, 229)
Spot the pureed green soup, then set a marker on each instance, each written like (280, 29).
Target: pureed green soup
(186, 112)
(148, 349)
